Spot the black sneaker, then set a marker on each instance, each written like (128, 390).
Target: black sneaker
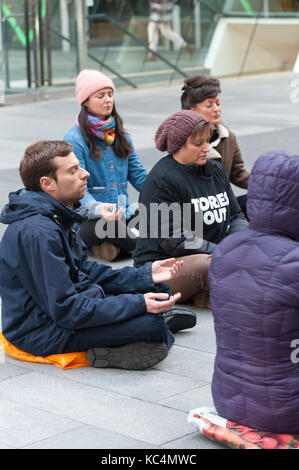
(134, 356)
(178, 319)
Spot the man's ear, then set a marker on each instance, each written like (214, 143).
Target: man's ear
(47, 184)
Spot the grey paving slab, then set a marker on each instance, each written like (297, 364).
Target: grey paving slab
(191, 399)
(2, 353)
(195, 441)
(10, 370)
(137, 419)
(150, 385)
(23, 424)
(89, 437)
(188, 362)
(201, 337)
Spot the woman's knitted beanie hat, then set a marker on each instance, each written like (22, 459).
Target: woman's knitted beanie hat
(175, 130)
(89, 81)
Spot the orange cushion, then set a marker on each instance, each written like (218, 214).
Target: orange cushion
(64, 361)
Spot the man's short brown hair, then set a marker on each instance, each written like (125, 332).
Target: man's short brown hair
(38, 161)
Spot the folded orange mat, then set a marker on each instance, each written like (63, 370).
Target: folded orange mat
(64, 361)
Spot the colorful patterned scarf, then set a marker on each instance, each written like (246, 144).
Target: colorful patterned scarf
(104, 130)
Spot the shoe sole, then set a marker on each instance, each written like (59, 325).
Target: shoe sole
(180, 321)
(134, 356)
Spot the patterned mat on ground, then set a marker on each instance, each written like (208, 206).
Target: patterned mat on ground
(237, 436)
(64, 361)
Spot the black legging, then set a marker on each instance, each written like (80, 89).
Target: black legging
(123, 237)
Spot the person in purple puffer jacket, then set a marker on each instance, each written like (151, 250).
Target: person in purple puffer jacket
(254, 289)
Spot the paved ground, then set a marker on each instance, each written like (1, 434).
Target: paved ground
(44, 407)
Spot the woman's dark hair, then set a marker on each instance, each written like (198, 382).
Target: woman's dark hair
(121, 145)
(38, 161)
(197, 89)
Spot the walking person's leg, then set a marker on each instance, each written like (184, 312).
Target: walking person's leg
(153, 39)
(168, 33)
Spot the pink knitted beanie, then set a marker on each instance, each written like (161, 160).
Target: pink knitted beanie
(89, 81)
(175, 130)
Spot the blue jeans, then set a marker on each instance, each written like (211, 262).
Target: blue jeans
(147, 327)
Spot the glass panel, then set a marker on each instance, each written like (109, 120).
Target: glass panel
(117, 36)
(13, 60)
(271, 8)
(128, 51)
(20, 67)
(64, 63)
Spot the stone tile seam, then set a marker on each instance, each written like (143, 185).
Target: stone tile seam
(143, 400)
(30, 370)
(193, 433)
(204, 384)
(82, 425)
(92, 427)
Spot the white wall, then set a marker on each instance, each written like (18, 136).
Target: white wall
(274, 47)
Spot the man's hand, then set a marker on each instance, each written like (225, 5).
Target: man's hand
(156, 306)
(108, 212)
(165, 270)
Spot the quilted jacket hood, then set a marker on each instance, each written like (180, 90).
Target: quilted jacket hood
(273, 194)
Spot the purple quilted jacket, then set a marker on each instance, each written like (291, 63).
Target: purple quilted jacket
(254, 282)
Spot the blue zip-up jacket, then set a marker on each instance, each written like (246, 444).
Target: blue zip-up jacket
(48, 286)
(109, 176)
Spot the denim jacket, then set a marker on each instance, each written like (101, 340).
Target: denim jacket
(109, 176)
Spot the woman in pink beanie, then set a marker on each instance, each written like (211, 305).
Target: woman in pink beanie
(186, 205)
(106, 151)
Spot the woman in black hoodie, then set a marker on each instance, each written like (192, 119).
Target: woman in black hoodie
(186, 205)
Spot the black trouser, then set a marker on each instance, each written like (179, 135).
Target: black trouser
(242, 200)
(147, 327)
(116, 232)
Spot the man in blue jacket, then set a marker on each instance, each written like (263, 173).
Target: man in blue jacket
(55, 300)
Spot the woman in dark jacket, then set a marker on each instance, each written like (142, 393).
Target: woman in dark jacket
(186, 205)
(202, 94)
(254, 286)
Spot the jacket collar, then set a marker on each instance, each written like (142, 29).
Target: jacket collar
(24, 203)
(223, 133)
(65, 215)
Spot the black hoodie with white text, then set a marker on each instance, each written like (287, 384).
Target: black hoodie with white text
(185, 210)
